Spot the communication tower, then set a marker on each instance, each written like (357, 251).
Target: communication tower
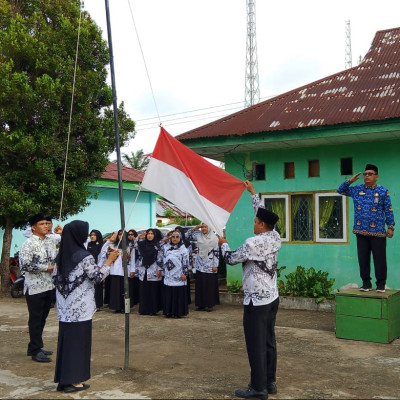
(348, 56)
(252, 89)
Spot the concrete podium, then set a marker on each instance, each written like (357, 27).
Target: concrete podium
(368, 316)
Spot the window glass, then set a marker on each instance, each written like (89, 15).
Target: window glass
(278, 206)
(302, 217)
(346, 166)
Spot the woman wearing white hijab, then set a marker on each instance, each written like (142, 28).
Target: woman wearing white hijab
(206, 264)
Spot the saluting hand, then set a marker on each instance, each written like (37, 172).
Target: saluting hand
(354, 177)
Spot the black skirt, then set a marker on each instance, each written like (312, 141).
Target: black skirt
(98, 294)
(107, 283)
(188, 290)
(117, 300)
(206, 290)
(134, 294)
(73, 352)
(150, 296)
(175, 302)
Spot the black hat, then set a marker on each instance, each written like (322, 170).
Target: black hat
(36, 218)
(371, 167)
(267, 216)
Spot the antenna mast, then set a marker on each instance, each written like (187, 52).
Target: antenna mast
(348, 56)
(252, 89)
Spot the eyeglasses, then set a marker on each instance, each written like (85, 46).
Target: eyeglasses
(369, 173)
(130, 234)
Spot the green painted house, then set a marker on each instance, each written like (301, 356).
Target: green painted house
(300, 146)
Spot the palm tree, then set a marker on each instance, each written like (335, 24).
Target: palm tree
(137, 160)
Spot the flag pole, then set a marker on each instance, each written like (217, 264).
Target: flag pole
(121, 196)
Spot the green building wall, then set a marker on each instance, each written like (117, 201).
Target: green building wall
(339, 259)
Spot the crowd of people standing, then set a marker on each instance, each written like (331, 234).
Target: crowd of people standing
(86, 271)
(159, 270)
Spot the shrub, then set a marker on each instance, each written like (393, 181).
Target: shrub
(307, 283)
(234, 287)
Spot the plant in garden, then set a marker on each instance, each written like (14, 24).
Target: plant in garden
(307, 283)
(234, 287)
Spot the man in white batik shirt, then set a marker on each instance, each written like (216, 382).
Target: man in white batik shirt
(261, 297)
(36, 259)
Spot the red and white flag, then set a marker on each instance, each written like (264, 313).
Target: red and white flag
(191, 182)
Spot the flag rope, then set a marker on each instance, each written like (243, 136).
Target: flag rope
(70, 114)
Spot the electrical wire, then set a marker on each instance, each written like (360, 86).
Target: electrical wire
(144, 62)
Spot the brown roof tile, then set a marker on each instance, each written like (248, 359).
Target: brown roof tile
(369, 91)
(128, 174)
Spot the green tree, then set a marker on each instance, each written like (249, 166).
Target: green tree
(136, 160)
(37, 56)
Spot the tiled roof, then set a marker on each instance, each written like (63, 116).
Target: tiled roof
(128, 174)
(368, 92)
(163, 205)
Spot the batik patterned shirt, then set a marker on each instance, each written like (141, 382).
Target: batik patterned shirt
(174, 261)
(204, 264)
(78, 304)
(372, 208)
(35, 256)
(259, 255)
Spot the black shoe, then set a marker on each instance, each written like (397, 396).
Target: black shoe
(199, 309)
(46, 352)
(60, 388)
(271, 388)
(381, 289)
(41, 357)
(365, 288)
(250, 392)
(72, 388)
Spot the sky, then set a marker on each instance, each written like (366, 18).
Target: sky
(190, 55)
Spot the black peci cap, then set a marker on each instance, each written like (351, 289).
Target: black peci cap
(267, 216)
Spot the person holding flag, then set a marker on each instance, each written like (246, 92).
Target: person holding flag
(261, 297)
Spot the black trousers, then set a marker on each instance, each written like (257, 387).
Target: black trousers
(38, 308)
(259, 333)
(377, 246)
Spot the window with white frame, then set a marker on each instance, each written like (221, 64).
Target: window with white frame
(330, 217)
(310, 217)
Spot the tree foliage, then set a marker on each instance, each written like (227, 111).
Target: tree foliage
(137, 160)
(37, 57)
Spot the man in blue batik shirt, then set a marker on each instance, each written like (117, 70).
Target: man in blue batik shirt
(372, 211)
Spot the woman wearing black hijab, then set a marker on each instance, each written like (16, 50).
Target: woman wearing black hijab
(149, 273)
(94, 246)
(74, 275)
(189, 247)
(134, 281)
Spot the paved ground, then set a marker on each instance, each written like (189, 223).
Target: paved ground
(202, 356)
